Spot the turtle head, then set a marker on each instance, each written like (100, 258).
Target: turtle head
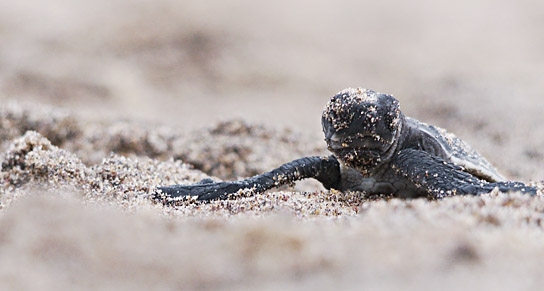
(362, 127)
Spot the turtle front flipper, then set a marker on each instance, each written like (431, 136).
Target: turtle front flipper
(325, 169)
(439, 178)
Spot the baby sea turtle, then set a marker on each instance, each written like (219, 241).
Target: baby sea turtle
(376, 150)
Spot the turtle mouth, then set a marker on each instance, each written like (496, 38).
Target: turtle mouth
(364, 152)
(360, 144)
(362, 159)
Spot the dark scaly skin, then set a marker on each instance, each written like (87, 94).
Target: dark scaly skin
(441, 179)
(325, 169)
(377, 150)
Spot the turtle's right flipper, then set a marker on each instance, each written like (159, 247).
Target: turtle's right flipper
(440, 179)
(325, 169)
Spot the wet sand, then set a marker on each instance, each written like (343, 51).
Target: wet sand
(95, 117)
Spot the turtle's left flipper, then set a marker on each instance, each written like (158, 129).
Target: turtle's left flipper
(324, 169)
(440, 178)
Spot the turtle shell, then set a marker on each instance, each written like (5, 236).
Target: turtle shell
(455, 150)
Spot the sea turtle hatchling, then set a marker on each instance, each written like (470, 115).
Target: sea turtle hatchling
(376, 150)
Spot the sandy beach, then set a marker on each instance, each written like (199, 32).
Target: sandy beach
(103, 101)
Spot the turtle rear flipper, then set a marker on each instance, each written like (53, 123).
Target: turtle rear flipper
(325, 169)
(439, 178)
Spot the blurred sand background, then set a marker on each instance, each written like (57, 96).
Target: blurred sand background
(128, 95)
